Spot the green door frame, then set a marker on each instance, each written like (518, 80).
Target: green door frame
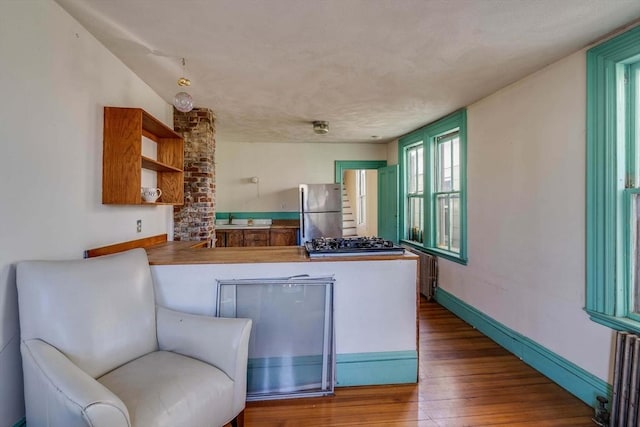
(342, 165)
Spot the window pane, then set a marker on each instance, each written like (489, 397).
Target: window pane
(454, 201)
(411, 167)
(448, 224)
(415, 219)
(442, 221)
(415, 170)
(443, 166)
(447, 165)
(635, 241)
(456, 163)
(420, 170)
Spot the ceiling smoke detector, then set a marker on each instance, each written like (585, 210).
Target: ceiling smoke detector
(320, 127)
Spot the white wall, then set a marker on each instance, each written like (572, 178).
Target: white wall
(526, 214)
(280, 167)
(55, 80)
(392, 153)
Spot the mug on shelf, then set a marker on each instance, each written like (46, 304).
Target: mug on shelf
(150, 194)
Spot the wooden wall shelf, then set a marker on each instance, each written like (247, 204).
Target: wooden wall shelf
(122, 160)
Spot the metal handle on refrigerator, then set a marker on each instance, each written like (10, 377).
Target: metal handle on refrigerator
(302, 215)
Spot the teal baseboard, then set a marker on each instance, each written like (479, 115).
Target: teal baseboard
(569, 376)
(20, 423)
(392, 367)
(300, 372)
(259, 215)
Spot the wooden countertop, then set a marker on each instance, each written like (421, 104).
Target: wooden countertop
(182, 253)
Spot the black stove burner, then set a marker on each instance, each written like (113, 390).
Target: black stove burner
(327, 246)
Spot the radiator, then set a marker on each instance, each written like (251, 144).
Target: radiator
(626, 381)
(427, 273)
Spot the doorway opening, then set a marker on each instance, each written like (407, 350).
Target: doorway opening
(360, 202)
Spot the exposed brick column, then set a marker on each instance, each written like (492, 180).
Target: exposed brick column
(195, 220)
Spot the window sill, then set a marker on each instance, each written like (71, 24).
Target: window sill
(617, 323)
(442, 254)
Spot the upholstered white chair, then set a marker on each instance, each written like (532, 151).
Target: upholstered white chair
(97, 351)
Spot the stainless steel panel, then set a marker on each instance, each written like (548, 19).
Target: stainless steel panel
(325, 224)
(320, 198)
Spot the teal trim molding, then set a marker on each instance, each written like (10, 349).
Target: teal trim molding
(608, 171)
(258, 215)
(617, 323)
(342, 165)
(353, 369)
(569, 376)
(21, 423)
(391, 367)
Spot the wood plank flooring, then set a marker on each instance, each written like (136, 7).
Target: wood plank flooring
(465, 380)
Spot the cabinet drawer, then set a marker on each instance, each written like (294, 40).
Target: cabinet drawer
(283, 237)
(256, 237)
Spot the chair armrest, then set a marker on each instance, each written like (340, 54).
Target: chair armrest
(218, 341)
(58, 393)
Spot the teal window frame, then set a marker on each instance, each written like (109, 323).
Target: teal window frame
(428, 135)
(611, 180)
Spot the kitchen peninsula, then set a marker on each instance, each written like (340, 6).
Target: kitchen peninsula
(375, 299)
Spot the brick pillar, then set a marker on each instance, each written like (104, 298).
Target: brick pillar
(195, 220)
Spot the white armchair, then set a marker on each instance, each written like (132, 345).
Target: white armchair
(97, 351)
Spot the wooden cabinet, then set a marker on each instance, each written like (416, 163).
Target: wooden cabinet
(235, 238)
(122, 160)
(256, 237)
(283, 237)
(230, 237)
(221, 239)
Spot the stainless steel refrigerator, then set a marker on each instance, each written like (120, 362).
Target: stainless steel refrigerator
(320, 211)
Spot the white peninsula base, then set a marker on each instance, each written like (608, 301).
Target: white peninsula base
(375, 308)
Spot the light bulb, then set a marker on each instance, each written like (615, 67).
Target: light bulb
(183, 102)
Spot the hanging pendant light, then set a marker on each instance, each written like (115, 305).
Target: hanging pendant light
(183, 101)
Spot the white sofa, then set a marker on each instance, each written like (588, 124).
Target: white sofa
(97, 351)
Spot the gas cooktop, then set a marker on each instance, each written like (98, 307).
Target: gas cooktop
(351, 246)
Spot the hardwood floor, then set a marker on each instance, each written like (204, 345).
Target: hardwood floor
(465, 380)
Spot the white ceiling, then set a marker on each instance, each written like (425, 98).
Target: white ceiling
(268, 68)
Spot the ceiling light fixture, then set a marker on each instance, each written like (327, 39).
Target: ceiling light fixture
(320, 127)
(183, 101)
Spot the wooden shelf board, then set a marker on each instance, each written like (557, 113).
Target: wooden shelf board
(157, 127)
(148, 163)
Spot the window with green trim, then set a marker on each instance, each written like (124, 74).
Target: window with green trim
(613, 182)
(414, 215)
(433, 188)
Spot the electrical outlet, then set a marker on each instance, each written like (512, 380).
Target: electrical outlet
(139, 226)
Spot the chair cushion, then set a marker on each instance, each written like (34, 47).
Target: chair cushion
(164, 389)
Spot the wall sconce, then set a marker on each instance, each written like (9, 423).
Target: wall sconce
(255, 180)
